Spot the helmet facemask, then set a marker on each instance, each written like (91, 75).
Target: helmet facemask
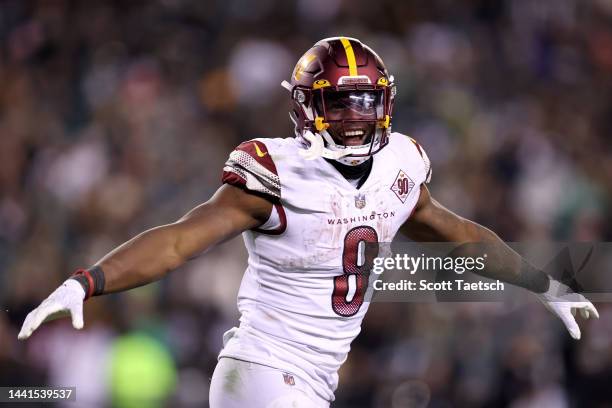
(351, 122)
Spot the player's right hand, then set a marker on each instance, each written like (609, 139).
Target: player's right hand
(65, 300)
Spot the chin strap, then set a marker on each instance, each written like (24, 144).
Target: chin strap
(317, 148)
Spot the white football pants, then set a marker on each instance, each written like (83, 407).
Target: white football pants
(241, 384)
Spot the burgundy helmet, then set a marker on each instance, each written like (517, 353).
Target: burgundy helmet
(342, 99)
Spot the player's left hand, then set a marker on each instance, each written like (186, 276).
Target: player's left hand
(563, 302)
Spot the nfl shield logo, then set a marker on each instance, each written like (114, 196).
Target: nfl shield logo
(360, 201)
(288, 378)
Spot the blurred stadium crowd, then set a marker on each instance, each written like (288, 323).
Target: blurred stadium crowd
(118, 116)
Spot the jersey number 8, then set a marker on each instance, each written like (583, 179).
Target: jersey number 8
(357, 261)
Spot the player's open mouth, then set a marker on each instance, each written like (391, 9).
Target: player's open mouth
(354, 137)
(352, 133)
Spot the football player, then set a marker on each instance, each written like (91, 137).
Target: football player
(304, 206)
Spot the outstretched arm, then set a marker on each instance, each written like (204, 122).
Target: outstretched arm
(432, 222)
(152, 254)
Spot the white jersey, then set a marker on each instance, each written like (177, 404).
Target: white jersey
(302, 296)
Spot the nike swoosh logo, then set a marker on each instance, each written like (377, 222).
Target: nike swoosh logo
(258, 151)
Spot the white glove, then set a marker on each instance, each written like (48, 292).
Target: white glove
(563, 302)
(65, 300)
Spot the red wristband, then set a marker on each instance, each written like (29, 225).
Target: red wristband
(90, 282)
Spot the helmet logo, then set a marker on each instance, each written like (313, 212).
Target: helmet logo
(303, 64)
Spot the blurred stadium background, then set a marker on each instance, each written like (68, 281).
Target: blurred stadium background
(117, 116)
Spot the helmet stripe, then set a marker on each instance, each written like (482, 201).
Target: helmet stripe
(350, 56)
